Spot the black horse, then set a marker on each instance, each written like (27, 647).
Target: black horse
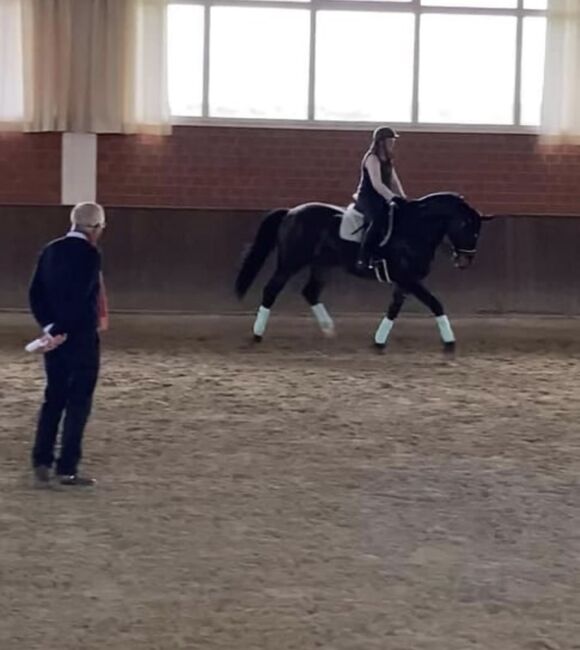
(308, 235)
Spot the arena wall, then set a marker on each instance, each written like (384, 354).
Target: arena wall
(185, 260)
(181, 209)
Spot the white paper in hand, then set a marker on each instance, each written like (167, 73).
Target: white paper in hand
(36, 345)
(46, 343)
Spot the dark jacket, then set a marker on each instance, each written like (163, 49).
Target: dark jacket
(65, 287)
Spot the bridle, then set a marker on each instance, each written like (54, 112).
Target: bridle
(469, 252)
(464, 251)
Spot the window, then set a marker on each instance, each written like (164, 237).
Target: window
(11, 63)
(185, 59)
(533, 55)
(449, 62)
(364, 66)
(462, 78)
(259, 62)
(472, 4)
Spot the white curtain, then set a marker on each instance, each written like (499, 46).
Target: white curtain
(12, 96)
(561, 100)
(96, 66)
(146, 86)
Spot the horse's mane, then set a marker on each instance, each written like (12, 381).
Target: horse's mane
(438, 199)
(443, 196)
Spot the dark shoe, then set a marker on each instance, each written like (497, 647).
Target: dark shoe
(42, 475)
(361, 265)
(365, 263)
(76, 480)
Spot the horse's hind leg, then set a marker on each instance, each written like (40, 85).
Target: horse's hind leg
(311, 292)
(431, 302)
(274, 286)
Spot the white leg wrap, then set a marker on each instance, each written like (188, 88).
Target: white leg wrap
(324, 320)
(261, 321)
(383, 331)
(445, 329)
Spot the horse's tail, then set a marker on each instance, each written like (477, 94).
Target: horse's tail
(258, 252)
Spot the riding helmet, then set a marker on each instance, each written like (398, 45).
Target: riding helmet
(384, 133)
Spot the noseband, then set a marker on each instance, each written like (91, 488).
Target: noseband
(464, 251)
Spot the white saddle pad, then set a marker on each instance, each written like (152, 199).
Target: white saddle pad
(352, 225)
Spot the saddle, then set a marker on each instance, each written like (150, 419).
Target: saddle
(352, 228)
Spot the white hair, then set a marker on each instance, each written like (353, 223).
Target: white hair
(87, 215)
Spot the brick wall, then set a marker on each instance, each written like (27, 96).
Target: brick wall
(263, 168)
(30, 168)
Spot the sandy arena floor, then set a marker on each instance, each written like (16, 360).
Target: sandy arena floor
(302, 494)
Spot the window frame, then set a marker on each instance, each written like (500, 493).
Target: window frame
(314, 6)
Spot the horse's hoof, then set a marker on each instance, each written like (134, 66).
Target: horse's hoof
(329, 333)
(380, 347)
(449, 348)
(257, 338)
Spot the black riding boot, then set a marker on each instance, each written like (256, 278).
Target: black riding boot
(368, 247)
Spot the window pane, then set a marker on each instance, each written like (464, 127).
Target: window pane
(470, 4)
(185, 58)
(463, 79)
(364, 66)
(259, 62)
(535, 4)
(533, 56)
(11, 62)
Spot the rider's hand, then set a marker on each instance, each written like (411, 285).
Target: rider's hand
(399, 201)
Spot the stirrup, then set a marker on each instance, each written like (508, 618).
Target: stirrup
(382, 271)
(374, 262)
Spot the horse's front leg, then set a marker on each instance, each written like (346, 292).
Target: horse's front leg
(386, 325)
(428, 299)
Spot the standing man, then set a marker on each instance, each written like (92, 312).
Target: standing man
(67, 300)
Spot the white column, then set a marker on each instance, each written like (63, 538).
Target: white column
(79, 168)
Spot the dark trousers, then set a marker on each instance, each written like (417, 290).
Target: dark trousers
(71, 371)
(376, 212)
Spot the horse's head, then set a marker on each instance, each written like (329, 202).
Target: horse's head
(463, 227)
